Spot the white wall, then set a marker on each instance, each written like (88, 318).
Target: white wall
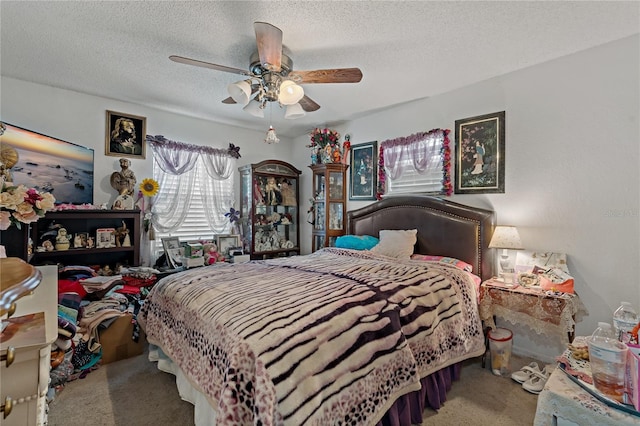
(572, 159)
(81, 119)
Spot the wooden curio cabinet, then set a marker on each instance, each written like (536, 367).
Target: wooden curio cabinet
(270, 212)
(330, 203)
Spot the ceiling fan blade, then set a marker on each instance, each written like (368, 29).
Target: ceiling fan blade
(336, 75)
(188, 61)
(308, 104)
(228, 100)
(269, 41)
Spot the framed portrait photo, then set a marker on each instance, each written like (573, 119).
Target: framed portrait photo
(125, 135)
(479, 162)
(227, 242)
(363, 175)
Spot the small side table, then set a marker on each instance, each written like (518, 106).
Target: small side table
(563, 399)
(554, 314)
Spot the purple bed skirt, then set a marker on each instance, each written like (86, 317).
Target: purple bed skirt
(408, 409)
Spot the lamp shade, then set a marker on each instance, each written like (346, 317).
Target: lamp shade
(290, 93)
(254, 108)
(294, 111)
(506, 237)
(240, 91)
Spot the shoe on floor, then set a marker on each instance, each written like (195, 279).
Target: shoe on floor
(526, 372)
(536, 383)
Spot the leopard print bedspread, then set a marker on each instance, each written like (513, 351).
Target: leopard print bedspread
(334, 337)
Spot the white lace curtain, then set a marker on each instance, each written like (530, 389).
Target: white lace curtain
(182, 164)
(416, 163)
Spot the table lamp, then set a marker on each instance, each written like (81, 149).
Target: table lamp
(505, 238)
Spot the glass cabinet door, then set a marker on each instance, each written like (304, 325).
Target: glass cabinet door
(335, 216)
(320, 216)
(336, 191)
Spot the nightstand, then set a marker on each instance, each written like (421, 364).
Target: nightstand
(545, 313)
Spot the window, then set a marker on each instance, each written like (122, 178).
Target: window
(201, 220)
(416, 164)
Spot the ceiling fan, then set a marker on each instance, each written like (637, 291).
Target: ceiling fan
(271, 77)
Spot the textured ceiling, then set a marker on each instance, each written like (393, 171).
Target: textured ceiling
(406, 50)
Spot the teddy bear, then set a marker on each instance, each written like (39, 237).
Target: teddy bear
(211, 254)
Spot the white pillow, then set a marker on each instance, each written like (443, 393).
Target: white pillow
(396, 243)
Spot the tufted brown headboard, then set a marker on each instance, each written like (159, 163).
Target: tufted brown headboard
(444, 228)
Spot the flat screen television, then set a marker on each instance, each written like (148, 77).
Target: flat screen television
(49, 164)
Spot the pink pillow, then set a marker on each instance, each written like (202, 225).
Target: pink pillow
(443, 259)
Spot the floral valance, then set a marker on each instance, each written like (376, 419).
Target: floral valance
(178, 157)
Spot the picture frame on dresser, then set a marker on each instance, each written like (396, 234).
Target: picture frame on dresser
(480, 154)
(173, 251)
(227, 242)
(105, 237)
(363, 176)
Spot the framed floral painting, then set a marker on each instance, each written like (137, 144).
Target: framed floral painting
(479, 161)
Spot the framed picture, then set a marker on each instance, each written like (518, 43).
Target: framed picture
(126, 135)
(173, 251)
(105, 237)
(80, 240)
(479, 162)
(227, 242)
(363, 176)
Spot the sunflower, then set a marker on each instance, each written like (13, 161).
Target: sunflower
(149, 187)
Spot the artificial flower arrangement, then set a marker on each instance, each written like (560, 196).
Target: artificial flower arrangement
(148, 188)
(324, 137)
(325, 146)
(19, 204)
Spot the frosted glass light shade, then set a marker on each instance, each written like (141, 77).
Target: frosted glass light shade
(240, 91)
(290, 93)
(254, 109)
(294, 111)
(271, 136)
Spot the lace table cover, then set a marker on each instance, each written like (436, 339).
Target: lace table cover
(563, 398)
(544, 314)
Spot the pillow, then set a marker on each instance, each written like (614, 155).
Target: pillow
(443, 259)
(396, 243)
(356, 242)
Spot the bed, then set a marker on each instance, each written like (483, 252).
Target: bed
(335, 337)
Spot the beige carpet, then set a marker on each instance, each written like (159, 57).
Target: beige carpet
(134, 392)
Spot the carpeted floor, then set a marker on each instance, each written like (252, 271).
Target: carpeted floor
(135, 392)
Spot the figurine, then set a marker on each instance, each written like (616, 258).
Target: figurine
(124, 181)
(62, 239)
(288, 194)
(274, 196)
(90, 242)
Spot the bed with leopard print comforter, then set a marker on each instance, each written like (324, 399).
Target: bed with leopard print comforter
(333, 337)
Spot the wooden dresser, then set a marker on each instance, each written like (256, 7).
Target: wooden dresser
(28, 305)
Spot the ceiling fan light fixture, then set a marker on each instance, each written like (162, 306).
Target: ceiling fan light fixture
(271, 136)
(255, 108)
(240, 91)
(294, 111)
(290, 93)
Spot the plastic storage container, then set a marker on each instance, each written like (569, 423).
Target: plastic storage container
(625, 319)
(500, 341)
(607, 357)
